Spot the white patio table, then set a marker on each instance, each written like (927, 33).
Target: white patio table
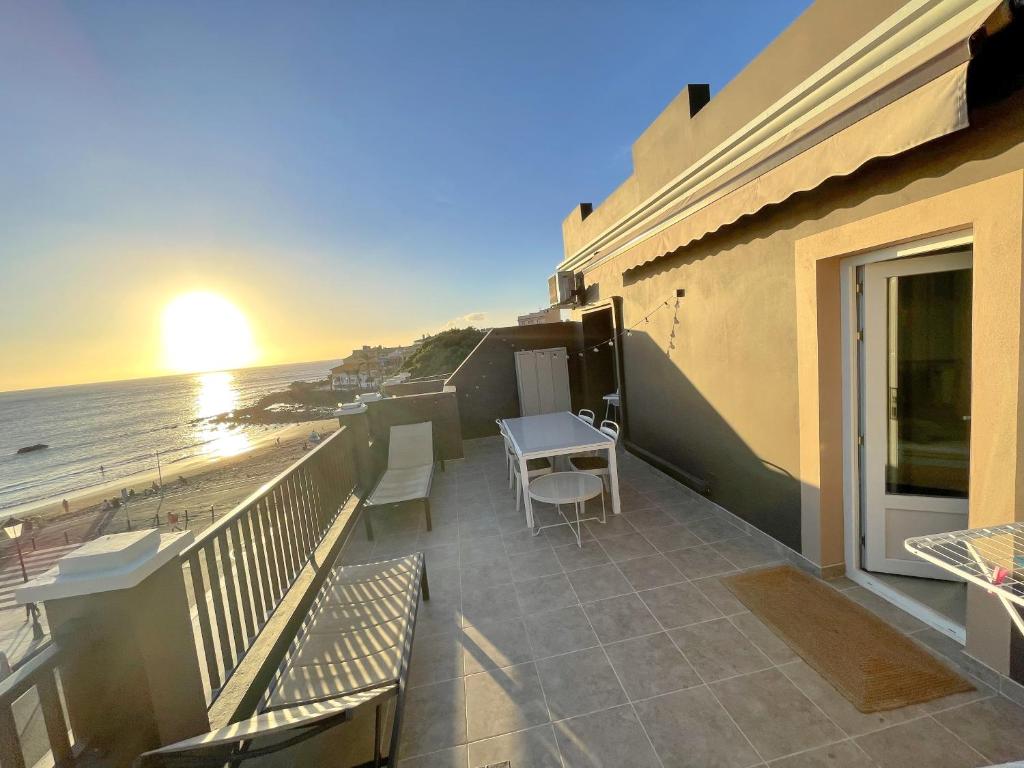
(558, 434)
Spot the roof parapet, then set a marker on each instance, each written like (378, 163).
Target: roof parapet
(667, 143)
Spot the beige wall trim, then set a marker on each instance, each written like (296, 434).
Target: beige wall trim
(993, 210)
(919, 28)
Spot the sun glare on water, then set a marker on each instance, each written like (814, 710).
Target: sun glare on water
(217, 394)
(206, 332)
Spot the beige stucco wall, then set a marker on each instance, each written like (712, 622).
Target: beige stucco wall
(744, 397)
(992, 211)
(577, 229)
(719, 401)
(666, 146)
(725, 402)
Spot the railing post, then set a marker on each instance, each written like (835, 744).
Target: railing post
(353, 416)
(131, 678)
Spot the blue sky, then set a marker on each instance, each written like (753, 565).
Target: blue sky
(345, 172)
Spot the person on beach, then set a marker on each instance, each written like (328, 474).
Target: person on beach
(66, 506)
(103, 472)
(32, 611)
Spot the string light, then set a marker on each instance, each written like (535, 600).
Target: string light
(645, 320)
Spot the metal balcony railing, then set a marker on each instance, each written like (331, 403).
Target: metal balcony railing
(37, 672)
(241, 568)
(238, 571)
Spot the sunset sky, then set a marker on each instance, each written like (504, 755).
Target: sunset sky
(343, 172)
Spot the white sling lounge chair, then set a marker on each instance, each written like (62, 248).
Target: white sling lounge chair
(348, 663)
(409, 472)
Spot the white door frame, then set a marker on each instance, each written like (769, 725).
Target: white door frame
(851, 448)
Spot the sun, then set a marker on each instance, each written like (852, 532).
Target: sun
(206, 332)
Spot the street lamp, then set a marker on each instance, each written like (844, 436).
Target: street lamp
(13, 528)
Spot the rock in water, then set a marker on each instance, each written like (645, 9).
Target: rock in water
(30, 448)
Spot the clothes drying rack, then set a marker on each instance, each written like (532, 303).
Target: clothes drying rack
(992, 558)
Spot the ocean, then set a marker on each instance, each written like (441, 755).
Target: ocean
(123, 426)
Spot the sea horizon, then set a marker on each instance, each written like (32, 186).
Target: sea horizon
(122, 426)
(329, 360)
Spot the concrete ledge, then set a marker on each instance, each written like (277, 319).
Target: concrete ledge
(109, 563)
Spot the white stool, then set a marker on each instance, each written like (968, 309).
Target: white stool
(574, 488)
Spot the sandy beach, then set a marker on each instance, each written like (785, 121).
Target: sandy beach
(211, 488)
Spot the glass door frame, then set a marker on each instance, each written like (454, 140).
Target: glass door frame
(853, 447)
(882, 506)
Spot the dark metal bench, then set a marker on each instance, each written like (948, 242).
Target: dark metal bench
(349, 661)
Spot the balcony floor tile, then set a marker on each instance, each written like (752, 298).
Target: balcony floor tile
(631, 650)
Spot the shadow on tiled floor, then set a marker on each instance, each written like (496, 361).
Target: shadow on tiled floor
(630, 651)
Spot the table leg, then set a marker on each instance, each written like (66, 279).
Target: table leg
(613, 479)
(525, 481)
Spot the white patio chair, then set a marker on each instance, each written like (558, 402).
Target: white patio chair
(587, 416)
(508, 459)
(597, 465)
(409, 472)
(534, 467)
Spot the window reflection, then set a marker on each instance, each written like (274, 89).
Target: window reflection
(929, 381)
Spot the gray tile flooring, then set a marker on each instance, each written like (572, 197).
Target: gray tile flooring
(631, 652)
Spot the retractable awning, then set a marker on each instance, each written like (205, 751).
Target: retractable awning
(899, 87)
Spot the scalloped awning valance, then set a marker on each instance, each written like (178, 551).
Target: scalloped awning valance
(903, 88)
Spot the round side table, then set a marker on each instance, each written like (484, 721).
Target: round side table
(574, 488)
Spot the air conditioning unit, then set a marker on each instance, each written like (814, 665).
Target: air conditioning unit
(562, 289)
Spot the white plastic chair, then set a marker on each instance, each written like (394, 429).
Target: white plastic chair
(597, 465)
(534, 467)
(508, 459)
(586, 416)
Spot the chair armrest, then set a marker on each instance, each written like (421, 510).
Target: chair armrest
(293, 725)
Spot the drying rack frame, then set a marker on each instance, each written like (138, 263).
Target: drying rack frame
(991, 558)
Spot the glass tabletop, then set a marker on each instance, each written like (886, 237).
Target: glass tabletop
(549, 434)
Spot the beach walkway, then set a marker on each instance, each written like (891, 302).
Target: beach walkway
(36, 562)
